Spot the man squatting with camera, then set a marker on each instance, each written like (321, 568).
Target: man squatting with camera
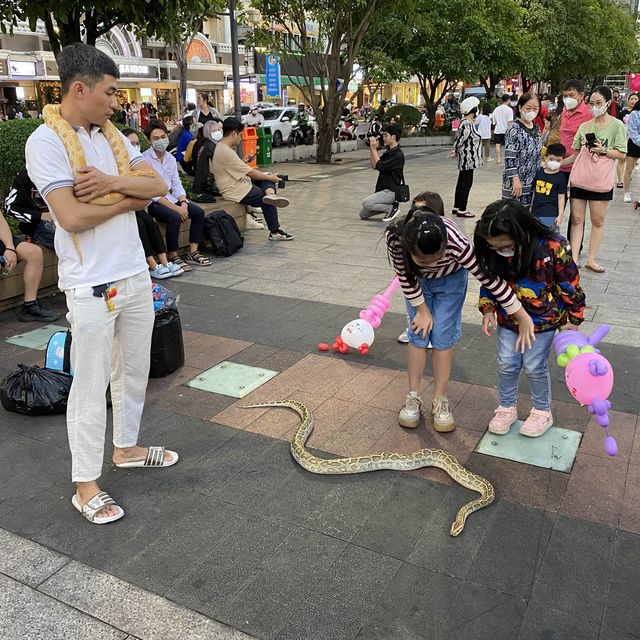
(390, 168)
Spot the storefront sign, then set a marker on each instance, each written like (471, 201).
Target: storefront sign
(22, 69)
(273, 75)
(138, 71)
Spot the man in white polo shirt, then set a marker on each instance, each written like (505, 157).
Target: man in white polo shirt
(502, 118)
(103, 273)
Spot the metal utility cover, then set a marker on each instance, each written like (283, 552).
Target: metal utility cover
(36, 339)
(556, 449)
(232, 379)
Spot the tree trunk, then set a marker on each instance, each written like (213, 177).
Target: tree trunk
(180, 53)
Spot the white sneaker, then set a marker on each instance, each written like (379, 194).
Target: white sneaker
(277, 201)
(442, 417)
(627, 197)
(252, 223)
(409, 415)
(403, 338)
(255, 210)
(490, 159)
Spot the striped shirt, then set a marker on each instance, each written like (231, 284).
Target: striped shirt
(460, 254)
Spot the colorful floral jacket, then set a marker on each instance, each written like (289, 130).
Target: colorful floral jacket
(551, 296)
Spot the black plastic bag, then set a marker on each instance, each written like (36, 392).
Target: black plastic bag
(35, 392)
(167, 346)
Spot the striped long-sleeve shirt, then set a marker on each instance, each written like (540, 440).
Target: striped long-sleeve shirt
(467, 146)
(460, 254)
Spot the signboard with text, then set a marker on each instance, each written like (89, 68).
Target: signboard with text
(272, 72)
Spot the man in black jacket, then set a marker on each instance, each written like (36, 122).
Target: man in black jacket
(390, 168)
(27, 206)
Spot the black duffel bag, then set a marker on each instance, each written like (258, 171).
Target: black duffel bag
(35, 392)
(221, 230)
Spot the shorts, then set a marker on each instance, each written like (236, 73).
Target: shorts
(584, 194)
(445, 298)
(16, 242)
(633, 150)
(498, 138)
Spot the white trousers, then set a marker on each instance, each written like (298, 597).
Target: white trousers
(107, 346)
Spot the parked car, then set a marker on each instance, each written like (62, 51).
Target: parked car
(278, 119)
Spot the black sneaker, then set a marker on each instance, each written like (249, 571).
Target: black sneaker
(280, 235)
(388, 217)
(37, 313)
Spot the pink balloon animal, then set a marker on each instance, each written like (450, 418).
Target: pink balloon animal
(588, 374)
(379, 305)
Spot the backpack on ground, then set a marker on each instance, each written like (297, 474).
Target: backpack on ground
(58, 353)
(221, 230)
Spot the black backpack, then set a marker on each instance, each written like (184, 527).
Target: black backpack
(221, 230)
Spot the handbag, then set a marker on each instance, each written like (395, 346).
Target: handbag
(592, 172)
(402, 192)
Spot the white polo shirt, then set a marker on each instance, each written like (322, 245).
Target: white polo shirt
(502, 117)
(110, 251)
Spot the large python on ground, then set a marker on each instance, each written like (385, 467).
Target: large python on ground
(385, 460)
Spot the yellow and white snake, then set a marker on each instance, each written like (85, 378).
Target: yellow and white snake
(396, 461)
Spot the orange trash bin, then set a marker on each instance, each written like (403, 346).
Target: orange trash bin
(250, 145)
(439, 120)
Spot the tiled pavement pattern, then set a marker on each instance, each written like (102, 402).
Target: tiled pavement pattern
(237, 534)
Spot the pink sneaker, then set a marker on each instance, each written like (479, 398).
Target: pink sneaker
(536, 424)
(502, 421)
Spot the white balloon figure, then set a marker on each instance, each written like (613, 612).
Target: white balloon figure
(358, 332)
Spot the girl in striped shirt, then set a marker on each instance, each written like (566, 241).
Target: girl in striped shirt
(431, 257)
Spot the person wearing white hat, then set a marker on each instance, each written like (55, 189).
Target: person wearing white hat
(254, 119)
(466, 148)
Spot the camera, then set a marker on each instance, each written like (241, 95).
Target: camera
(591, 139)
(283, 179)
(374, 136)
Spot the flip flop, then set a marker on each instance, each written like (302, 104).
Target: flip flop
(182, 264)
(154, 459)
(465, 214)
(90, 510)
(596, 268)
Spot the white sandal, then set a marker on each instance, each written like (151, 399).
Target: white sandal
(155, 459)
(90, 510)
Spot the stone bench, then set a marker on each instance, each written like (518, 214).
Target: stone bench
(12, 289)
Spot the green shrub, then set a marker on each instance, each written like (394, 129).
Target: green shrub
(13, 138)
(144, 143)
(405, 115)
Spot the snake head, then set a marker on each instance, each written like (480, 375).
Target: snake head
(457, 527)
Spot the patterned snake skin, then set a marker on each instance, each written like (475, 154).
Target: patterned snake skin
(396, 461)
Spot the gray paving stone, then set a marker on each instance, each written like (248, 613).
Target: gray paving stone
(350, 502)
(394, 526)
(136, 611)
(506, 560)
(546, 623)
(27, 561)
(414, 605)
(338, 623)
(26, 613)
(622, 608)
(435, 549)
(566, 581)
(613, 634)
(231, 564)
(478, 613)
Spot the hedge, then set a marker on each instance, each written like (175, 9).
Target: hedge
(405, 115)
(13, 138)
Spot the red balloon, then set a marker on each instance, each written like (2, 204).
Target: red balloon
(323, 346)
(335, 346)
(339, 340)
(343, 348)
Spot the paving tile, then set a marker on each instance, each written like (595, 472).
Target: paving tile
(506, 560)
(622, 608)
(196, 403)
(136, 611)
(232, 379)
(614, 634)
(203, 356)
(630, 516)
(26, 613)
(414, 606)
(316, 621)
(394, 526)
(476, 408)
(542, 623)
(391, 396)
(565, 581)
(342, 512)
(266, 604)
(478, 613)
(570, 415)
(333, 378)
(437, 550)
(366, 385)
(622, 427)
(27, 561)
(596, 489)
(254, 354)
(232, 563)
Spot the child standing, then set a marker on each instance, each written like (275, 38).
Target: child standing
(536, 262)
(550, 189)
(483, 125)
(431, 257)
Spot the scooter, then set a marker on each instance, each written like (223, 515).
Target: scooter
(424, 123)
(346, 130)
(297, 137)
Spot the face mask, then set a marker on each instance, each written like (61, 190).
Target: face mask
(160, 145)
(506, 253)
(553, 165)
(570, 103)
(216, 136)
(599, 111)
(529, 116)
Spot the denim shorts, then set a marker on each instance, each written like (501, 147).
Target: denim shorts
(445, 298)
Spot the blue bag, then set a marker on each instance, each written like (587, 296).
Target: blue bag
(58, 353)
